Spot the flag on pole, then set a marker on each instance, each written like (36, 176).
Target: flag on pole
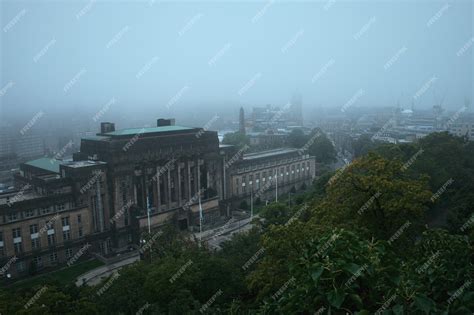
(200, 210)
(200, 218)
(148, 210)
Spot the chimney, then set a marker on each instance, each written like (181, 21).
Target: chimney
(161, 122)
(107, 127)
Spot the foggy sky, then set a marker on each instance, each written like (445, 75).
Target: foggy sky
(174, 58)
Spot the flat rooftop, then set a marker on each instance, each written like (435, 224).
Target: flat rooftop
(81, 164)
(268, 153)
(145, 130)
(48, 164)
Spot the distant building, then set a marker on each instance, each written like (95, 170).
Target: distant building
(242, 121)
(29, 146)
(296, 109)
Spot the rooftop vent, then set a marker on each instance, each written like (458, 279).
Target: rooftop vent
(165, 122)
(107, 127)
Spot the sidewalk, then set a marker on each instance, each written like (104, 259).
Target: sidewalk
(95, 276)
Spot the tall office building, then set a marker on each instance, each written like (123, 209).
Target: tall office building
(242, 121)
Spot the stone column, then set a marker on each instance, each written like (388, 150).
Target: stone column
(189, 179)
(178, 182)
(168, 190)
(158, 194)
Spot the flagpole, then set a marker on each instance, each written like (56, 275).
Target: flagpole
(200, 218)
(148, 214)
(251, 201)
(276, 186)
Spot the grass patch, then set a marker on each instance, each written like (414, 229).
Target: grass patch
(63, 276)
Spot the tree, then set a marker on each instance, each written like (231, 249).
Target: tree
(297, 138)
(236, 138)
(321, 147)
(375, 194)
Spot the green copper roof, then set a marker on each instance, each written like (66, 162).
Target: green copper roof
(51, 165)
(96, 138)
(134, 131)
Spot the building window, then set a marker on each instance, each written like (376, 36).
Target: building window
(51, 239)
(18, 248)
(45, 210)
(79, 219)
(12, 217)
(125, 217)
(33, 228)
(2, 253)
(53, 257)
(80, 231)
(68, 253)
(38, 261)
(66, 235)
(30, 213)
(16, 232)
(60, 207)
(35, 243)
(20, 266)
(65, 221)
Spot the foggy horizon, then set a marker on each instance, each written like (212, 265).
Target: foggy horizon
(170, 58)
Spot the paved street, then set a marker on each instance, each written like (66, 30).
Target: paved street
(95, 276)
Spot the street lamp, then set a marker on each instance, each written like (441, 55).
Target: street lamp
(251, 201)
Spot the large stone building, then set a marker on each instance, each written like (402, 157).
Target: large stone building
(124, 183)
(49, 218)
(267, 174)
